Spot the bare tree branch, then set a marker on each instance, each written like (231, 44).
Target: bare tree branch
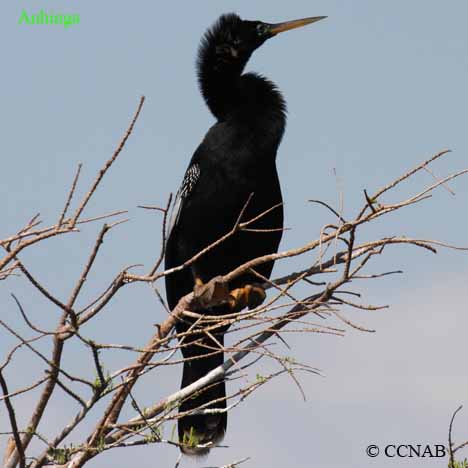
(341, 256)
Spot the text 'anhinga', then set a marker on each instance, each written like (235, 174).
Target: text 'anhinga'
(236, 159)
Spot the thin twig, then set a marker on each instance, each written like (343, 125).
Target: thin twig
(450, 447)
(70, 195)
(13, 424)
(108, 164)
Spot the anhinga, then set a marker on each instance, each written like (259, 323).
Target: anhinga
(236, 159)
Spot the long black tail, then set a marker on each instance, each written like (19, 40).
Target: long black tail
(201, 429)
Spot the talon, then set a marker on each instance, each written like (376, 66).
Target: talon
(198, 287)
(198, 282)
(235, 300)
(250, 296)
(256, 296)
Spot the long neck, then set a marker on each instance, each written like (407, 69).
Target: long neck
(249, 99)
(260, 109)
(218, 79)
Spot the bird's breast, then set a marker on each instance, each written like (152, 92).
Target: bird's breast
(222, 193)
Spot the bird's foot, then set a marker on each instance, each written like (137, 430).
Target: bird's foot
(250, 296)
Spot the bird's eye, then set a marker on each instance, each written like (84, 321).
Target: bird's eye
(261, 29)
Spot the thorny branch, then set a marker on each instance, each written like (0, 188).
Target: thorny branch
(252, 330)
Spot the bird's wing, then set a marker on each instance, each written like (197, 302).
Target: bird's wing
(188, 183)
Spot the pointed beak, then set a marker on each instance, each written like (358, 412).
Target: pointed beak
(287, 25)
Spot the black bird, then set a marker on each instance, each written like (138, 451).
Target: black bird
(236, 159)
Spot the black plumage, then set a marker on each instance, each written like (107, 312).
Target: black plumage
(236, 159)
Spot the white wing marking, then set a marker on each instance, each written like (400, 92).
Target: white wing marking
(188, 183)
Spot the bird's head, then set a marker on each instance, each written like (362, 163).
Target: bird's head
(233, 40)
(224, 52)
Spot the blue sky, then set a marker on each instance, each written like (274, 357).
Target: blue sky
(371, 92)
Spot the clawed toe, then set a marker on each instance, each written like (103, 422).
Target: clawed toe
(250, 296)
